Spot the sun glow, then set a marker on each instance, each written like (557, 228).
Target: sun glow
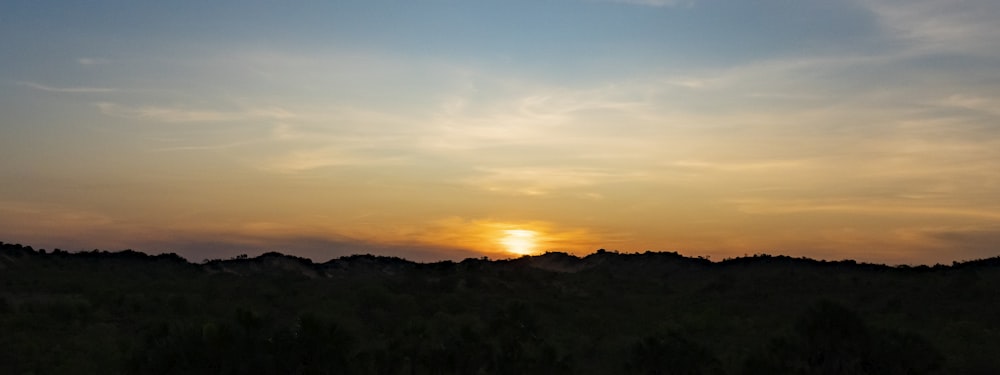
(519, 241)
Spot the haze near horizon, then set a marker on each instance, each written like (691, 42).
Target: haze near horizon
(446, 129)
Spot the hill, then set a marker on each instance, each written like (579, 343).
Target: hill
(650, 313)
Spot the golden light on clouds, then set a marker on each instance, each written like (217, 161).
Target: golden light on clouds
(519, 241)
(500, 239)
(866, 148)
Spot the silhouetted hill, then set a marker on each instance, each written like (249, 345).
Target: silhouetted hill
(269, 264)
(371, 264)
(607, 312)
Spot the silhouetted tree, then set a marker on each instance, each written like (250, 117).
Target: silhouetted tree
(671, 353)
(830, 339)
(520, 347)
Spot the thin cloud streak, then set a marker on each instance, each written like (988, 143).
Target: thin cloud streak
(92, 61)
(869, 208)
(69, 90)
(547, 180)
(179, 115)
(654, 3)
(162, 114)
(306, 160)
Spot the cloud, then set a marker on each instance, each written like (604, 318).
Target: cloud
(977, 103)
(966, 26)
(486, 235)
(68, 90)
(545, 180)
(56, 218)
(45, 225)
(92, 61)
(50, 225)
(164, 114)
(450, 238)
(690, 83)
(966, 243)
(512, 113)
(300, 160)
(654, 3)
(196, 248)
(178, 115)
(860, 206)
(742, 166)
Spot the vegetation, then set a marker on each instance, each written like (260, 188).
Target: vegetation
(651, 313)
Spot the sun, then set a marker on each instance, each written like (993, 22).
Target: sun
(519, 241)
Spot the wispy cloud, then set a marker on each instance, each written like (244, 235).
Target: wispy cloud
(966, 26)
(654, 3)
(301, 160)
(972, 242)
(547, 180)
(856, 206)
(983, 104)
(68, 90)
(164, 114)
(742, 166)
(519, 113)
(179, 115)
(92, 61)
(55, 225)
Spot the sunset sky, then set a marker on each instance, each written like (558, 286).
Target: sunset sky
(448, 129)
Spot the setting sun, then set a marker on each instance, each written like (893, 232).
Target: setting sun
(634, 125)
(519, 241)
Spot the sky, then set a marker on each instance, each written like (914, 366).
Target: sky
(448, 129)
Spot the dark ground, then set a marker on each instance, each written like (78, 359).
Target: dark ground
(607, 313)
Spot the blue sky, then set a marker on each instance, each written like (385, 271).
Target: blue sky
(838, 129)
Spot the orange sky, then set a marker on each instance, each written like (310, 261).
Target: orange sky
(496, 128)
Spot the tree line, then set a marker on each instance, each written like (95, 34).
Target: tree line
(650, 313)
